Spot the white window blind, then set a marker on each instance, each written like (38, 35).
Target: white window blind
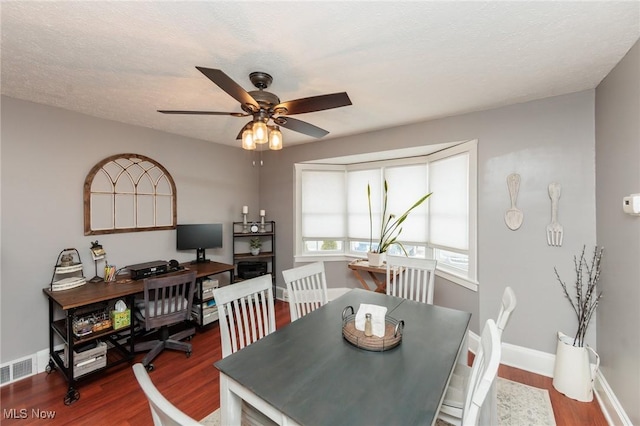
(449, 203)
(407, 184)
(358, 210)
(323, 205)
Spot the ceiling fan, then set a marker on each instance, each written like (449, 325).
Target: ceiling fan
(263, 106)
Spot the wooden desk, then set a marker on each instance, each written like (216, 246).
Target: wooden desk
(315, 377)
(362, 265)
(80, 300)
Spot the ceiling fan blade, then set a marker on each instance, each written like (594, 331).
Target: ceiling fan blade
(315, 103)
(234, 114)
(300, 127)
(231, 87)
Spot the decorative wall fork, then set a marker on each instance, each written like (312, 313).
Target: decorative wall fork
(554, 229)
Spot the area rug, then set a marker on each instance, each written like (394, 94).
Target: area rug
(518, 404)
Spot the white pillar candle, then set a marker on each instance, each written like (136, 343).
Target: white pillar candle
(245, 209)
(262, 213)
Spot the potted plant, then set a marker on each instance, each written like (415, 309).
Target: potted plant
(573, 373)
(390, 228)
(255, 244)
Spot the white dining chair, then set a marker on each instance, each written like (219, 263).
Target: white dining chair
(306, 289)
(507, 305)
(411, 278)
(245, 312)
(465, 401)
(163, 412)
(462, 370)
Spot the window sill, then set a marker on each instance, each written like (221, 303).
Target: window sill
(449, 276)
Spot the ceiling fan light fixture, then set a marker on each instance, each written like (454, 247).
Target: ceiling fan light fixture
(247, 140)
(260, 132)
(275, 138)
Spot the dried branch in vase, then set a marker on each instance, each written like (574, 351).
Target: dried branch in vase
(586, 298)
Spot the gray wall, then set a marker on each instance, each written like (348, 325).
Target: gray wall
(618, 175)
(545, 141)
(46, 155)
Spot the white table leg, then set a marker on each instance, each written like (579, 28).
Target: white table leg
(230, 403)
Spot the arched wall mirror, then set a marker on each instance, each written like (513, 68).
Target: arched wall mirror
(128, 193)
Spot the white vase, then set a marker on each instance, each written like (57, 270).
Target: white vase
(573, 374)
(376, 259)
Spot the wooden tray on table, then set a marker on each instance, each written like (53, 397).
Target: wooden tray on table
(392, 334)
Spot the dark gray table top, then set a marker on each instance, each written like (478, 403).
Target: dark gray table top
(308, 371)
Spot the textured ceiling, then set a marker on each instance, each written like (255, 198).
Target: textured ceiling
(400, 62)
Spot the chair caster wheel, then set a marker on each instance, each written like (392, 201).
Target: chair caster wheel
(72, 396)
(150, 367)
(188, 354)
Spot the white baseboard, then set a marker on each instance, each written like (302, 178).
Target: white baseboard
(542, 363)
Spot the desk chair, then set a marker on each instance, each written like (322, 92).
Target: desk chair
(167, 301)
(162, 411)
(306, 289)
(465, 400)
(414, 279)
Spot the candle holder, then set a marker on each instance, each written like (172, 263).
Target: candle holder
(262, 227)
(245, 227)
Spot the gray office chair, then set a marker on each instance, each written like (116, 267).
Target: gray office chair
(167, 302)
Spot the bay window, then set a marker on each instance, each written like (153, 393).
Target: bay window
(333, 218)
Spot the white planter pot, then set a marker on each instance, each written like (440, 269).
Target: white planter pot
(255, 251)
(376, 259)
(573, 374)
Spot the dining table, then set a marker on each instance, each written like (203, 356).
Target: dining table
(307, 373)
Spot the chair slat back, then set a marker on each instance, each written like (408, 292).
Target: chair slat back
(162, 411)
(411, 278)
(245, 312)
(306, 289)
(168, 299)
(483, 373)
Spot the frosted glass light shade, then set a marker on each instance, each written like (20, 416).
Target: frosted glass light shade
(275, 139)
(247, 140)
(260, 132)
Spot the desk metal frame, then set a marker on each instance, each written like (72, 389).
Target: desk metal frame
(315, 377)
(80, 298)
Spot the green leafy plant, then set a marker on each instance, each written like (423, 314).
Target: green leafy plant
(586, 298)
(255, 243)
(390, 226)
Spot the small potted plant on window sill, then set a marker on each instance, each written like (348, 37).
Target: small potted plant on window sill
(254, 245)
(390, 228)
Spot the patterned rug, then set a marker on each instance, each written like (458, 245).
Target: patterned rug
(518, 404)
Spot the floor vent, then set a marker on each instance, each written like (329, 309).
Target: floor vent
(17, 370)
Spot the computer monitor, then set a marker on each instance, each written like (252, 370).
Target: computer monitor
(199, 237)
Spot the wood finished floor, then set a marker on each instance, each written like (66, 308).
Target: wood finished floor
(192, 384)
